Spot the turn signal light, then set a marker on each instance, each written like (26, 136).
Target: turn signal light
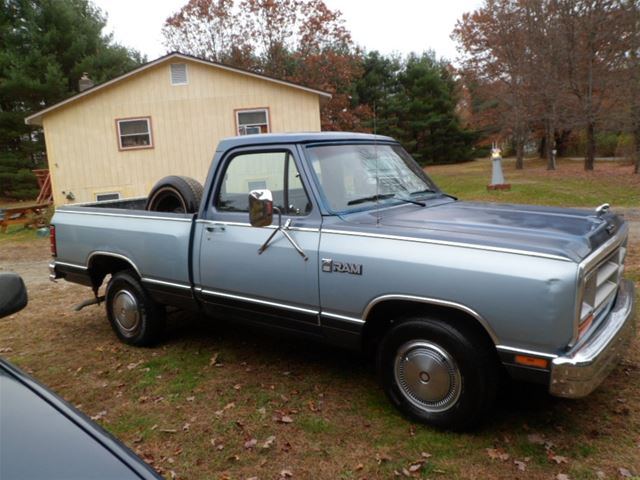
(585, 325)
(531, 361)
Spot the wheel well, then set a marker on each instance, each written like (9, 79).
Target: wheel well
(102, 265)
(383, 315)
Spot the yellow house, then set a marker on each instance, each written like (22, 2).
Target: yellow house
(116, 139)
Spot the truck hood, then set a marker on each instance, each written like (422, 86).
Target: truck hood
(568, 233)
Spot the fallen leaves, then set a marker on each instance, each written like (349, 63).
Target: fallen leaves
(624, 473)
(558, 459)
(549, 446)
(281, 417)
(268, 443)
(536, 439)
(251, 443)
(99, 415)
(521, 466)
(228, 406)
(218, 445)
(214, 360)
(497, 454)
(134, 365)
(411, 470)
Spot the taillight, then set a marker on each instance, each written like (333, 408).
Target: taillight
(52, 239)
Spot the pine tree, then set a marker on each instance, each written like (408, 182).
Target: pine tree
(46, 46)
(415, 102)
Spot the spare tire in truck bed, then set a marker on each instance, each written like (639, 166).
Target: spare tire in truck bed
(175, 194)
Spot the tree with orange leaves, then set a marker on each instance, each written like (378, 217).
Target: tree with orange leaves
(303, 42)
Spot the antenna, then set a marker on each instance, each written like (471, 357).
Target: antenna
(375, 152)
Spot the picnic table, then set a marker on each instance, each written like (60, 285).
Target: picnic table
(23, 215)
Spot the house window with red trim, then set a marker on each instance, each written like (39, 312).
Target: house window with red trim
(134, 133)
(252, 121)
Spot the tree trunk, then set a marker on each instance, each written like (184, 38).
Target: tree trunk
(589, 159)
(519, 154)
(542, 147)
(636, 141)
(549, 136)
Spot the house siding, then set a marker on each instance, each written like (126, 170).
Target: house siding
(187, 122)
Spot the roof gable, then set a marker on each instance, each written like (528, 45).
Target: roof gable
(36, 118)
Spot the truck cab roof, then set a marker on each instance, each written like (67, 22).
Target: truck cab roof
(300, 137)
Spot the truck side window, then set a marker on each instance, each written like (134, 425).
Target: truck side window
(264, 170)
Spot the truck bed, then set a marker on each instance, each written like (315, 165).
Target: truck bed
(156, 244)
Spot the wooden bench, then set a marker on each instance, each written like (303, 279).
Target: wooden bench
(23, 215)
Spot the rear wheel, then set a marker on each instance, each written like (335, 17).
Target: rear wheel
(134, 316)
(438, 373)
(175, 194)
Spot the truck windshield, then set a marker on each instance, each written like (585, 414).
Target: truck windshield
(356, 176)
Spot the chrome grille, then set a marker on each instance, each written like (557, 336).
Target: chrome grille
(601, 284)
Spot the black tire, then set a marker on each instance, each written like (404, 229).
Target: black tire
(134, 316)
(457, 360)
(175, 194)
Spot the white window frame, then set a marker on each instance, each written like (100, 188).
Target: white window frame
(257, 125)
(107, 193)
(134, 119)
(186, 74)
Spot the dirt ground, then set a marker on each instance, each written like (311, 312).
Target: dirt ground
(215, 403)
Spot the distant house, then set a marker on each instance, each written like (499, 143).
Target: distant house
(116, 139)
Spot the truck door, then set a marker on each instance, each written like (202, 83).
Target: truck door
(277, 286)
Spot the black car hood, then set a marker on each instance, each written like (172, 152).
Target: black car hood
(570, 233)
(41, 436)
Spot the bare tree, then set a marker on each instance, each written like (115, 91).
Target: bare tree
(493, 45)
(544, 69)
(633, 16)
(593, 56)
(208, 29)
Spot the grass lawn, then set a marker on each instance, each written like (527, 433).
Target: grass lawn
(213, 402)
(569, 185)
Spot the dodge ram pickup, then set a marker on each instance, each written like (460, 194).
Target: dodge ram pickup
(344, 238)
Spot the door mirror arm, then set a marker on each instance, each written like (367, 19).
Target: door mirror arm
(261, 215)
(282, 229)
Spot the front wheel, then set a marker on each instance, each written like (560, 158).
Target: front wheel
(134, 316)
(438, 373)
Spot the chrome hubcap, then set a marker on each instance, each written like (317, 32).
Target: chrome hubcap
(125, 311)
(427, 376)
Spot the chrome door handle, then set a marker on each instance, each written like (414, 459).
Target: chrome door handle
(215, 227)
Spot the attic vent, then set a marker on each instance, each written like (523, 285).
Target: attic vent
(178, 74)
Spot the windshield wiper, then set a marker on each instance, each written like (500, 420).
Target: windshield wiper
(428, 190)
(371, 198)
(419, 192)
(384, 196)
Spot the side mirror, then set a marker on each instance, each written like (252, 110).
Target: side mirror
(13, 294)
(260, 208)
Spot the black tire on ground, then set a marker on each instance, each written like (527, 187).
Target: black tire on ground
(134, 316)
(442, 374)
(175, 194)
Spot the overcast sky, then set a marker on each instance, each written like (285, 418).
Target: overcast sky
(388, 26)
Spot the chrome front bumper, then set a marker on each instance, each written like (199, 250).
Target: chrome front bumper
(582, 369)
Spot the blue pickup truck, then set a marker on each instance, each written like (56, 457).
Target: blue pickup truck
(344, 238)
